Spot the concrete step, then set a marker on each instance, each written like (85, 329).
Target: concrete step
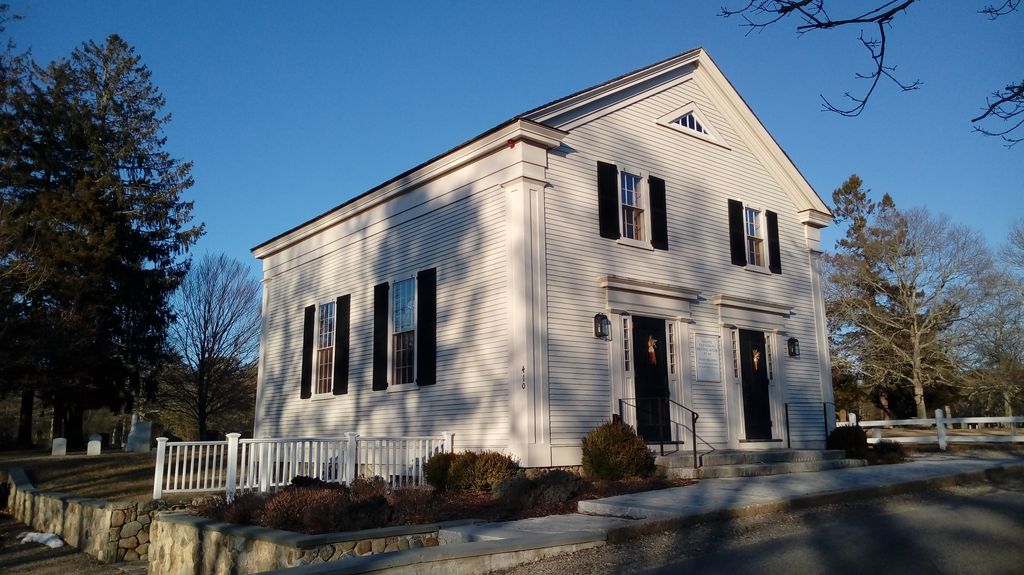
(755, 469)
(732, 457)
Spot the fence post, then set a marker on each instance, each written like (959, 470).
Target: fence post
(351, 457)
(852, 418)
(448, 438)
(232, 462)
(158, 475)
(940, 428)
(264, 448)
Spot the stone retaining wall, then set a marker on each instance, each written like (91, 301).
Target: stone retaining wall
(182, 544)
(174, 542)
(109, 531)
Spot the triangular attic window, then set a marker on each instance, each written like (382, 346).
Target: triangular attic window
(688, 120)
(691, 121)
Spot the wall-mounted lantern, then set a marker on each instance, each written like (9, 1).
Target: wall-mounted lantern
(793, 345)
(602, 326)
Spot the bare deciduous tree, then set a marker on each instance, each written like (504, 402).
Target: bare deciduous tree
(896, 285)
(216, 338)
(1005, 104)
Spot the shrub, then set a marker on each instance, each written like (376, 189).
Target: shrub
(517, 491)
(462, 471)
(491, 467)
(468, 470)
(850, 439)
(435, 470)
(889, 451)
(613, 451)
(557, 486)
(305, 509)
(243, 509)
(367, 487)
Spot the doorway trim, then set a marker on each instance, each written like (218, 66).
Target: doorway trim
(736, 313)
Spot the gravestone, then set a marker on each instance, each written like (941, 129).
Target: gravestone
(140, 436)
(93, 448)
(60, 446)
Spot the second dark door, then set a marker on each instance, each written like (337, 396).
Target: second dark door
(757, 417)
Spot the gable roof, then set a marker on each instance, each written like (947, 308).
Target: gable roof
(547, 122)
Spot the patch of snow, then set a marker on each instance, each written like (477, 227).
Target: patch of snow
(48, 539)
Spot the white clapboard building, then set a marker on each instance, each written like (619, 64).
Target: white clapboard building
(641, 249)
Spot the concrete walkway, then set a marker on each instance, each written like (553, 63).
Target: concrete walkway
(485, 547)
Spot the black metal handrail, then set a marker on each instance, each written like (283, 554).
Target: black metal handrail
(824, 416)
(694, 416)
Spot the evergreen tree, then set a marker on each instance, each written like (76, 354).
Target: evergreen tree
(101, 199)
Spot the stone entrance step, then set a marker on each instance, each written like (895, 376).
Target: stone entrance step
(733, 463)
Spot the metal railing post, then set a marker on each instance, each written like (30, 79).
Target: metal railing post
(789, 439)
(158, 475)
(232, 478)
(693, 435)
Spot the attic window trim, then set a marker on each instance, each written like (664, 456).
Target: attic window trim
(709, 134)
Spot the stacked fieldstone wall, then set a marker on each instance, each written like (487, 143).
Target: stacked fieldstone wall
(109, 531)
(186, 545)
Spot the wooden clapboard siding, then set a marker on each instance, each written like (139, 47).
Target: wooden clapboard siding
(465, 241)
(700, 179)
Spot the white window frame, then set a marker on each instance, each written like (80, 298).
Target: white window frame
(643, 205)
(708, 135)
(318, 376)
(759, 236)
(393, 383)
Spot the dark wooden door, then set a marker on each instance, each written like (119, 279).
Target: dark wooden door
(757, 415)
(650, 379)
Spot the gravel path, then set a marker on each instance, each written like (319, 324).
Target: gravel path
(18, 558)
(644, 554)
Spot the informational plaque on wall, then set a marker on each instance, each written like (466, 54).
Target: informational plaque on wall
(709, 362)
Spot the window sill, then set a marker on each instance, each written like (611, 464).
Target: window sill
(758, 269)
(396, 388)
(635, 244)
(322, 396)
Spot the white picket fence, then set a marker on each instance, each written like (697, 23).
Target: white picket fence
(268, 464)
(945, 432)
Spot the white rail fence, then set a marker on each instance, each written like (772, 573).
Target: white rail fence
(268, 464)
(971, 429)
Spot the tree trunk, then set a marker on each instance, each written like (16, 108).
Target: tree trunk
(25, 440)
(922, 410)
(73, 429)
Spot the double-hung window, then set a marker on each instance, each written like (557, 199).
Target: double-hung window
(754, 238)
(631, 207)
(403, 332)
(325, 335)
(324, 349)
(631, 198)
(754, 230)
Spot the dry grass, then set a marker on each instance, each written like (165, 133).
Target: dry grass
(114, 476)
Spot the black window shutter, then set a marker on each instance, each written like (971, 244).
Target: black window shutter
(659, 215)
(737, 237)
(380, 336)
(774, 255)
(608, 200)
(341, 335)
(426, 327)
(306, 377)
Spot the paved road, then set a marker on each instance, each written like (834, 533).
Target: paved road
(969, 529)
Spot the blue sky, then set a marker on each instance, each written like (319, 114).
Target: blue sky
(289, 109)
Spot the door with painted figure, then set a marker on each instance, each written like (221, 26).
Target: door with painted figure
(650, 379)
(757, 417)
